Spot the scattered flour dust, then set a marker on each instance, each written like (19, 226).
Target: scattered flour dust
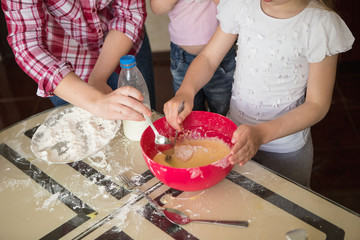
(99, 160)
(195, 172)
(72, 135)
(13, 184)
(122, 215)
(49, 203)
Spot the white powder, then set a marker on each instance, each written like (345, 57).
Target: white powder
(72, 135)
(223, 163)
(13, 184)
(99, 160)
(195, 172)
(183, 152)
(49, 203)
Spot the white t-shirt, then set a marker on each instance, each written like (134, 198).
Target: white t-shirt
(272, 62)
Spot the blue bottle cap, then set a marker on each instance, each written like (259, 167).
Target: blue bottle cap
(127, 61)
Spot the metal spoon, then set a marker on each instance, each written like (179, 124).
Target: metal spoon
(181, 218)
(180, 109)
(162, 142)
(178, 217)
(170, 153)
(174, 215)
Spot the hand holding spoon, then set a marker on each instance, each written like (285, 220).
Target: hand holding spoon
(170, 153)
(180, 109)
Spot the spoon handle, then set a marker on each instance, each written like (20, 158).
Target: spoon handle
(243, 224)
(180, 109)
(151, 124)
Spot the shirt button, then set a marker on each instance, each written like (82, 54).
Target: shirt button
(93, 10)
(99, 30)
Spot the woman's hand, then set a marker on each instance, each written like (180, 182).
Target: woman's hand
(247, 140)
(171, 108)
(124, 103)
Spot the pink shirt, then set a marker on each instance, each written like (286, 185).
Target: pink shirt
(192, 23)
(54, 37)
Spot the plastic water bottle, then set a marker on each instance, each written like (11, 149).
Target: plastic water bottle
(131, 76)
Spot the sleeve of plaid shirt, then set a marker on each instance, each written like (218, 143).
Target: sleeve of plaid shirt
(132, 25)
(26, 24)
(26, 21)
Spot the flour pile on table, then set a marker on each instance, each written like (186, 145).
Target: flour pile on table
(72, 135)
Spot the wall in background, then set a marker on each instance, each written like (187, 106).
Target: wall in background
(157, 29)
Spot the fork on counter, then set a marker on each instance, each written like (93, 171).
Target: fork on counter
(130, 185)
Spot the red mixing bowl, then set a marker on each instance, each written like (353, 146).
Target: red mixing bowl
(200, 124)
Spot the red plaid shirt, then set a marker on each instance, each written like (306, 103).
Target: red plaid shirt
(54, 37)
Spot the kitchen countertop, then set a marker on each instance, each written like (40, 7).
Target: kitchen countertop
(86, 200)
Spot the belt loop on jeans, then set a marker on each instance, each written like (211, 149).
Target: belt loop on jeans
(181, 53)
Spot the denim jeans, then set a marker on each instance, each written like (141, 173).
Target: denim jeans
(145, 65)
(217, 92)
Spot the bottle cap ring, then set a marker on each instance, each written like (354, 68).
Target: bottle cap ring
(127, 61)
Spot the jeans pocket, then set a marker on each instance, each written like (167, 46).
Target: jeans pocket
(173, 64)
(228, 63)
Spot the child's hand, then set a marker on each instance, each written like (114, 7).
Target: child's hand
(171, 110)
(247, 140)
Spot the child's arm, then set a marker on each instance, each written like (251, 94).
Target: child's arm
(321, 80)
(198, 74)
(162, 6)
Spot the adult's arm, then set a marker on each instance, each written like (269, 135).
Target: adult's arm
(123, 103)
(27, 37)
(26, 23)
(126, 32)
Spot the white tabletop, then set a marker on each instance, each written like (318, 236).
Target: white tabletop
(86, 200)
